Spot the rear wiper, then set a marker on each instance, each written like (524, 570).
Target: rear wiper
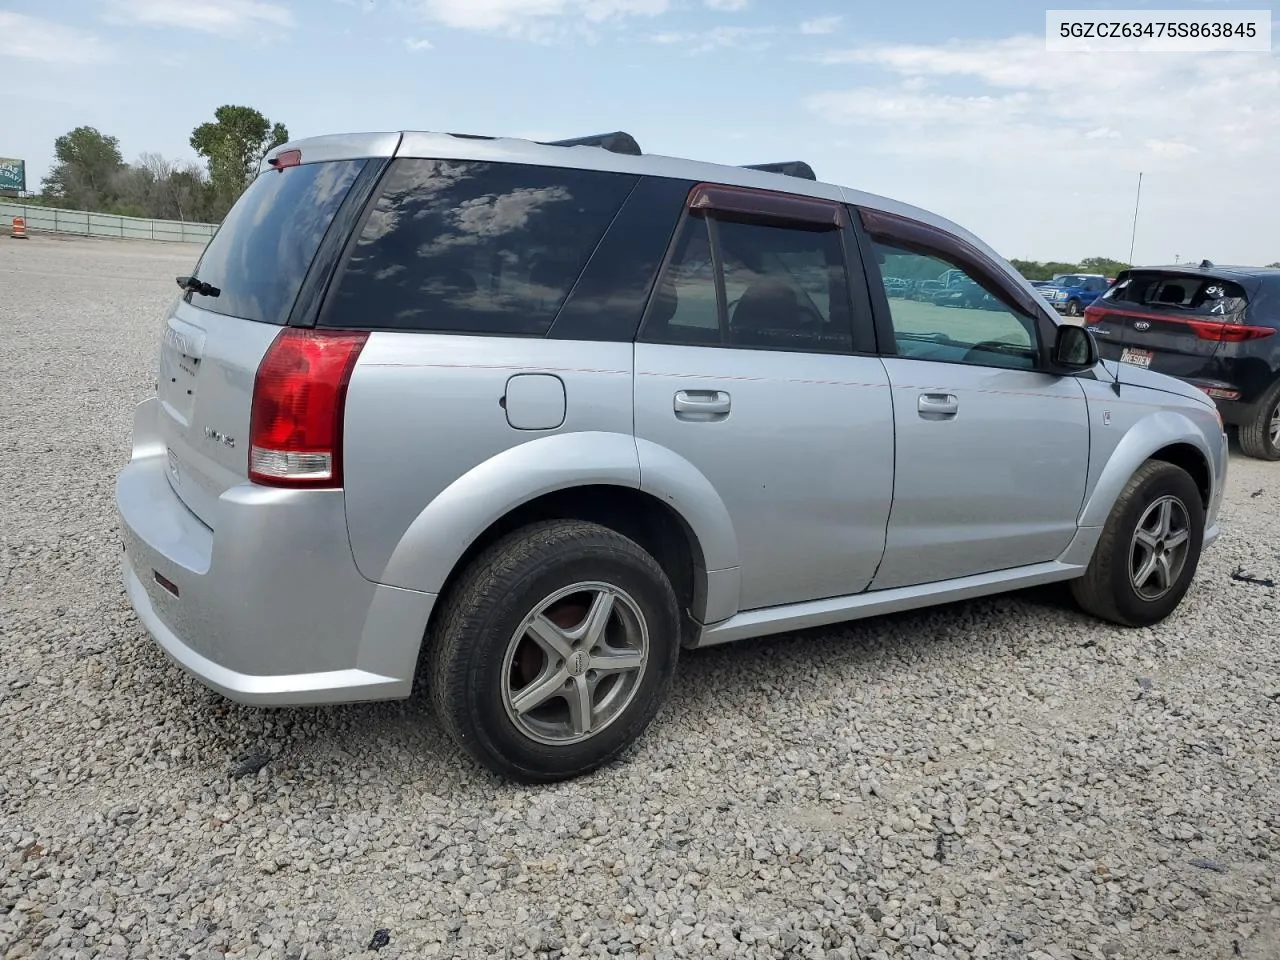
(196, 285)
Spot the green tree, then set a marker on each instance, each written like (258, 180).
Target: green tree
(234, 143)
(1276, 264)
(1031, 269)
(1103, 265)
(88, 162)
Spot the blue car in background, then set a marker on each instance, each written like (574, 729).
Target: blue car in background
(1072, 292)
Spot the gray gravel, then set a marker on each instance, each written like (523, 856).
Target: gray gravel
(1002, 778)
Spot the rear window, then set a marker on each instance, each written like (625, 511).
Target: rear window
(1178, 293)
(261, 253)
(474, 247)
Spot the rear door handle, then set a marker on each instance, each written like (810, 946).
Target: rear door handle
(937, 406)
(701, 404)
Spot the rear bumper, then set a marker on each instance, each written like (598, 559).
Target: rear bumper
(269, 609)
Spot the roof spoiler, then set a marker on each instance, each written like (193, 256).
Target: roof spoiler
(790, 168)
(616, 142)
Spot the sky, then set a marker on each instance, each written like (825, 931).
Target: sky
(956, 108)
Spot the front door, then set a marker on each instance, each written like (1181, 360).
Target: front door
(992, 454)
(748, 367)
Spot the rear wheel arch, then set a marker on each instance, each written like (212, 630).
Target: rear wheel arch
(642, 517)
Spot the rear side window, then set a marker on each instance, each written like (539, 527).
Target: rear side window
(262, 251)
(754, 285)
(473, 247)
(1179, 293)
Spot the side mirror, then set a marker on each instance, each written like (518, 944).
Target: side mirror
(1074, 349)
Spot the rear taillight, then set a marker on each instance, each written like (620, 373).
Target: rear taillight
(1092, 314)
(299, 395)
(1228, 332)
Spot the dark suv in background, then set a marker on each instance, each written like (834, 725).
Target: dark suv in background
(1213, 327)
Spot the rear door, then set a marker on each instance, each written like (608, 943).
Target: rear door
(755, 367)
(1167, 321)
(256, 267)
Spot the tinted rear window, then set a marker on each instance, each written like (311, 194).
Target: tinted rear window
(1178, 293)
(474, 247)
(262, 251)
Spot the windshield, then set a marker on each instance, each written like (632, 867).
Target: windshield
(261, 253)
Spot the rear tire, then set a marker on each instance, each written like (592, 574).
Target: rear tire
(554, 651)
(1149, 549)
(1260, 435)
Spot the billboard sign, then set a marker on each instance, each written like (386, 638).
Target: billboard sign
(13, 174)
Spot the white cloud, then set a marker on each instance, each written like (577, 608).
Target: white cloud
(227, 17)
(729, 5)
(821, 25)
(717, 38)
(31, 38)
(414, 45)
(1143, 103)
(1169, 148)
(877, 105)
(535, 19)
(984, 131)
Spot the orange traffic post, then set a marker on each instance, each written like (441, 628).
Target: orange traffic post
(19, 228)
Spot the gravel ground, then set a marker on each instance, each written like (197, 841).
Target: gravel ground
(1002, 778)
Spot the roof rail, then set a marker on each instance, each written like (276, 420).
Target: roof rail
(791, 168)
(616, 142)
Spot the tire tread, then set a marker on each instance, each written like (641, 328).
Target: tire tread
(500, 571)
(1094, 591)
(1255, 435)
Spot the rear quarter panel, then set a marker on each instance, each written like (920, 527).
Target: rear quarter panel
(424, 410)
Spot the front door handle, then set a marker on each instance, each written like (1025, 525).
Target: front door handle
(937, 406)
(701, 404)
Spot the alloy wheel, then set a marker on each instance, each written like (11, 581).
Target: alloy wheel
(1159, 548)
(575, 663)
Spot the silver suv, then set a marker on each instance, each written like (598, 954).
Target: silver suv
(533, 417)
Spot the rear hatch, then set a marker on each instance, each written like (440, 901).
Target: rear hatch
(251, 274)
(1169, 321)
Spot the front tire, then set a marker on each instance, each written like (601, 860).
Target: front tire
(554, 651)
(1073, 308)
(1260, 435)
(1149, 549)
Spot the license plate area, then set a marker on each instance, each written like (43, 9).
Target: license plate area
(1136, 357)
(179, 369)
